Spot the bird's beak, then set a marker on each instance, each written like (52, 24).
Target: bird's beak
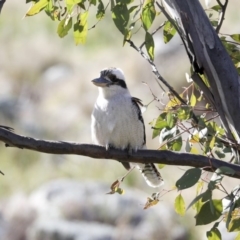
(101, 82)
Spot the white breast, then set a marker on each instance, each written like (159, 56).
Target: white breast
(115, 122)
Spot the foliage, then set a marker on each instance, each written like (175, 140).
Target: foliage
(187, 113)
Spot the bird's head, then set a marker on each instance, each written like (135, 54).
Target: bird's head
(111, 80)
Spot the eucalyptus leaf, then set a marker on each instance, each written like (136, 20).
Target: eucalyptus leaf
(189, 178)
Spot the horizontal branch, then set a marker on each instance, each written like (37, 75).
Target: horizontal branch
(141, 156)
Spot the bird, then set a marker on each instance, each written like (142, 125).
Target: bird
(117, 122)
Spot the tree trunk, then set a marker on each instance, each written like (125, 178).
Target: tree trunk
(207, 52)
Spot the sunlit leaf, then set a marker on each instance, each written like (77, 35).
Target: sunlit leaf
(71, 3)
(234, 225)
(170, 119)
(180, 205)
(168, 32)
(101, 11)
(194, 150)
(214, 234)
(189, 178)
(212, 142)
(205, 215)
(148, 14)
(235, 37)
(176, 144)
(37, 7)
(64, 26)
(237, 237)
(127, 36)
(184, 113)
(149, 43)
(81, 29)
(120, 16)
(159, 124)
(161, 165)
(193, 100)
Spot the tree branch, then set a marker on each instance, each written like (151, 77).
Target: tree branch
(1, 4)
(93, 151)
(222, 14)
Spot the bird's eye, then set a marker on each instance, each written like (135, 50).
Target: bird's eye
(112, 77)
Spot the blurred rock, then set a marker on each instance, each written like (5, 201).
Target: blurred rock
(68, 209)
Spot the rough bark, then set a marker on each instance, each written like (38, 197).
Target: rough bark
(12, 139)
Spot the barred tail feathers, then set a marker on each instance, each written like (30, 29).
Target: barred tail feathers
(151, 175)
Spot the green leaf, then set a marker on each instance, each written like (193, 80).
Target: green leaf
(176, 144)
(193, 100)
(205, 215)
(131, 9)
(124, 1)
(184, 113)
(214, 234)
(49, 10)
(159, 124)
(81, 29)
(216, 8)
(149, 43)
(189, 178)
(179, 205)
(194, 150)
(235, 37)
(37, 7)
(64, 26)
(220, 154)
(214, 23)
(205, 196)
(148, 14)
(234, 225)
(225, 170)
(212, 142)
(168, 32)
(81, 5)
(127, 35)
(93, 2)
(237, 237)
(101, 11)
(120, 16)
(170, 119)
(71, 3)
(161, 165)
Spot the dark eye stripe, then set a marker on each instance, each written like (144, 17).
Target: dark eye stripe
(113, 78)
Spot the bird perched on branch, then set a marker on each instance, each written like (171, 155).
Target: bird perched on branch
(117, 121)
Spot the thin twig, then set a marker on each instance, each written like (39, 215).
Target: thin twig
(154, 32)
(222, 14)
(155, 71)
(169, 18)
(100, 18)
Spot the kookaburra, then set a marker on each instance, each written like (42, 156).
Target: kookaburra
(117, 121)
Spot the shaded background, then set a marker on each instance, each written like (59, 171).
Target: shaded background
(46, 93)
